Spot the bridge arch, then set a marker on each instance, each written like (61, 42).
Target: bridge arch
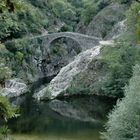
(84, 41)
(61, 37)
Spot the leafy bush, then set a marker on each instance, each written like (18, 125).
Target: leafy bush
(11, 5)
(21, 22)
(4, 131)
(124, 120)
(5, 71)
(89, 11)
(120, 60)
(133, 21)
(91, 8)
(6, 110)
(64, 11)
(59, 7)
(20, 51)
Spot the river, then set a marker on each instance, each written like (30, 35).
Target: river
(47, 121)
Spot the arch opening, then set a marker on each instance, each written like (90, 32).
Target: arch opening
(67, 43)
(59, 52)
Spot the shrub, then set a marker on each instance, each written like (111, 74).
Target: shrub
(5, 71)
(21, 21)
(124, 120)
(91, 8)
(120, 60)
(133, 21)
(6, 110)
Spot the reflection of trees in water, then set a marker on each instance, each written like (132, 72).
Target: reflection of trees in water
(38, 117)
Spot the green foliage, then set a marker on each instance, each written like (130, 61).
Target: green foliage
(133, 21)
(120, 61)
(17, 45)
(11, 6)
(4, 131)
(3, 51)
(76, 3)
(91, 8)
(109, 73)
(6, 110)
(21, 22)
(57, 50)
(8, 25)
(19, 56)
(20, 51)
(59, 11)
(60, 7)
(64, 11)
(5, 71)
(66, 28)
(124, 120)
(123, 1)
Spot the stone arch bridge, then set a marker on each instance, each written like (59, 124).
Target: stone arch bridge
(84, 41)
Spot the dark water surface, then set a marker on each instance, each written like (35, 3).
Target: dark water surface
(39, 122)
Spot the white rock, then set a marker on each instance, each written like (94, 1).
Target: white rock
(14, 88)
(62, 81)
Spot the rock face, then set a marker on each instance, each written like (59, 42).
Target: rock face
(105, 20)
(62, 81)
(14, 88)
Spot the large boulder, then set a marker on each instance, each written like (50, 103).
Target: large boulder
(105, 20)
(14, 88)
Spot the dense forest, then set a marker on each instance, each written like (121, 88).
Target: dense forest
(75, 71)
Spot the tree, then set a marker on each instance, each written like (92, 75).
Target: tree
(124, 120)
(11, 5)
(133, 22)
(20, 20)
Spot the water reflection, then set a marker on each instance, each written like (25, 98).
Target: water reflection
(40, 120)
